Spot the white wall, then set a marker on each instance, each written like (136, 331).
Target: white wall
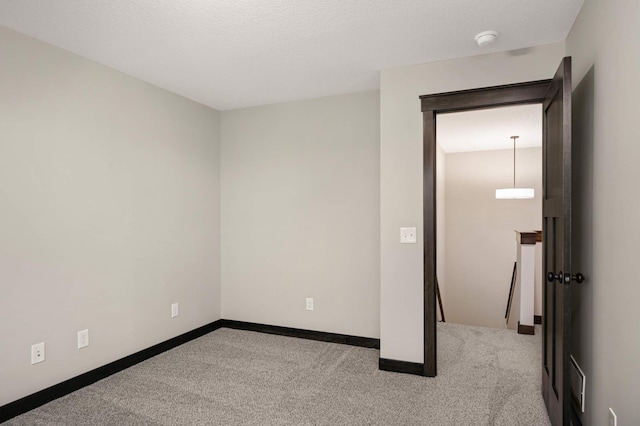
(300, 203)
(606, 66)
(481, 238)
(401, 276)
(109, 194)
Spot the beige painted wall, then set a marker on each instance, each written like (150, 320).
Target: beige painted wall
(481, 242)
(606, 66)
(300, 203)
(109, 193)
(401, 277)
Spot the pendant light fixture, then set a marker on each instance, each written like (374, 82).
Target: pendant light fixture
(514, 193)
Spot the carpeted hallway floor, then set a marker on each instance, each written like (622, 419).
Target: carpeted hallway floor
(231, 377)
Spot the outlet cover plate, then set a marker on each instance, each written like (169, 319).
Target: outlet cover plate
(83, 338)
(309, 303)
(37, 353)
(174, 310)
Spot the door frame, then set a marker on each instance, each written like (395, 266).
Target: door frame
(465, 100)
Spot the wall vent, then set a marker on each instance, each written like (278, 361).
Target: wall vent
(578, 382)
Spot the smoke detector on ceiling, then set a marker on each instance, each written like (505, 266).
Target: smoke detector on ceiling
(486, 38)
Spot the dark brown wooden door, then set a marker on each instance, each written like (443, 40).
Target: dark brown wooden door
(556, 216)
(556, 98)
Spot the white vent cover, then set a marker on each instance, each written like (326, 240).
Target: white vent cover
(578, 381)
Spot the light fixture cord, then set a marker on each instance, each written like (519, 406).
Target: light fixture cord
(514, 160)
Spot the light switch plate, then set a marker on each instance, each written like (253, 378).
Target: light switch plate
(408, 235)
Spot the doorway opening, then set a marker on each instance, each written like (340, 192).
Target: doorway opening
(476, 241)
(432, 105)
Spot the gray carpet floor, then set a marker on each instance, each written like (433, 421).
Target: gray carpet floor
(231, 377)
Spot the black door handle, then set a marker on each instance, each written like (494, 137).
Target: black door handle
(551, 277)
(579, 278)
(566, 278)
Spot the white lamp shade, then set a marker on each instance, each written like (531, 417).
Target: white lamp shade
(514, 193)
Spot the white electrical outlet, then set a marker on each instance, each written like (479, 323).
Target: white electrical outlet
(309, 303)
(83, 338)
(613, 419)
(408, 235)
(174, 310)
(37, 353)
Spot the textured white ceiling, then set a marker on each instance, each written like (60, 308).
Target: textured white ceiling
(488, 129)
(236, 53)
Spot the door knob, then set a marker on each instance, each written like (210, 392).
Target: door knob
(566, 278)
(551, 277)
(579, 278)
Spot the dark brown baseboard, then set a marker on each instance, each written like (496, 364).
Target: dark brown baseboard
(526, 329)
(401, 366)
(344, 339)
(537, 319)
